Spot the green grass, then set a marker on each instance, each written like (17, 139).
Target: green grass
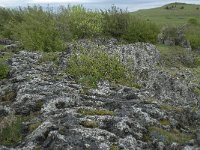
(91, 66)
(197, 91)
(10, 130)
(175, 56)
(1, 46)
(89, 124)
(4, 68)
(173, 17)
(170, 136)
(164, 122)
(100, 112)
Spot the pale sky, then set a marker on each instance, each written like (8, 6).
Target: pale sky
(96, 4)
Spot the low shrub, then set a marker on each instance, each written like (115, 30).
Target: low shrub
(193, 35)
(141, 31)
(90, 66)
(169, 136)
(37, 30)
(115, 22)
(83, 23)
(89, 124)
(193, 21)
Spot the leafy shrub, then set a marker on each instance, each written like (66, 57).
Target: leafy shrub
(5, 17)
(90, 66)
(4, 70)
(37, 30)
(115, 21)
(83, 23)
(193, 21)
(170, 32)
(141, 31)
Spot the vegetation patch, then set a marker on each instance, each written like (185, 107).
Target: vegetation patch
(171, 108)
(168, 136)
(164, 122)
(47, 57)
(197, 91)
(8, 96)
(141, 31)
(4, 70)
(175, 56)
(90, 66)
(89, 124)
(10, 130)
(100, 112)
(114, 147)
(193, 35)
(1, 46)
(44, 30)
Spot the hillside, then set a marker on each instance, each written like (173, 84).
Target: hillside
(171, 14)
(84, 80)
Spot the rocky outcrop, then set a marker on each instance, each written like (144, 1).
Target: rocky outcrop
(108, 117)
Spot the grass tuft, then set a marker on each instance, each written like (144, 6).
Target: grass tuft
(89, 124)
(100, 112)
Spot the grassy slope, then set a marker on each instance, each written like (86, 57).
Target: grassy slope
(175, 16)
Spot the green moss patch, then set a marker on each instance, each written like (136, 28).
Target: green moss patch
(100, 112)
(197, 91)
(114, 147)
(168, 136)
(4, 70)
(89, 124)
(164, 122)
(171, 108)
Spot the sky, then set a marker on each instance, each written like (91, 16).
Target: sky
(131, 5)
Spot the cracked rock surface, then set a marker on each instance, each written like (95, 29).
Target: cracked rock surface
(163, 114)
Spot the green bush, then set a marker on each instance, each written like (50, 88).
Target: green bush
(5, 17)
(37, 30)
(193, 35)
(141, 31)
(115, 22)
(83, 23)
(193, 21)
(4, 70)
(90, 66)
(45, 30)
